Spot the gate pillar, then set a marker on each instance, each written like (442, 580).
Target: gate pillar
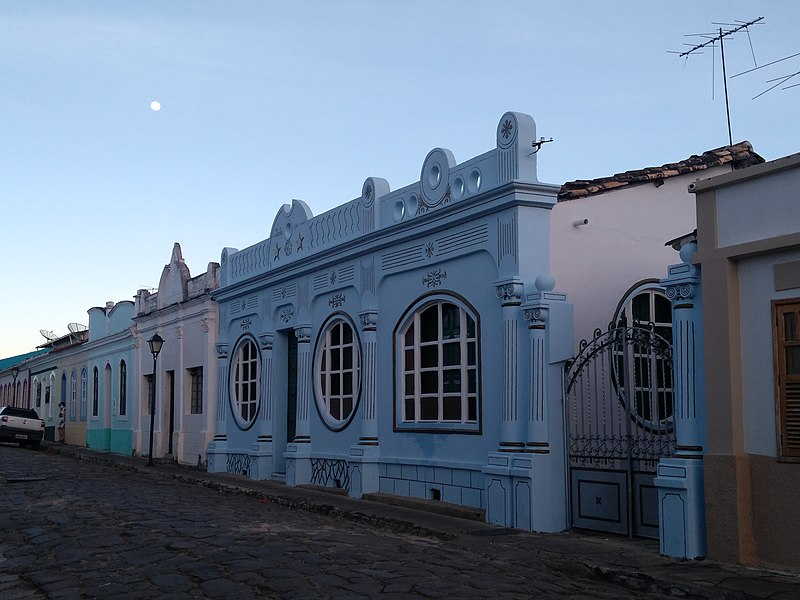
(681, 501)
(526, 478)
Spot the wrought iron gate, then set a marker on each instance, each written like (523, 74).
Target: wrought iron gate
(619, 423)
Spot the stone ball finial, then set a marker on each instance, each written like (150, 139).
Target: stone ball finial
(687, 251)
(545, 282)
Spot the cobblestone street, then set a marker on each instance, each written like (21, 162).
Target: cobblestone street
(87, 530)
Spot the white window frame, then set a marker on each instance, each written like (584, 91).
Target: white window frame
(84, 406)
(196, 390)
(325, 372)
(123, 388)
(468, 371)
(652, 288)
(95, 392)
(249, 386)
(73, 396)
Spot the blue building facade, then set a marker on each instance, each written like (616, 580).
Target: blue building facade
(112, 409)
(409, 342)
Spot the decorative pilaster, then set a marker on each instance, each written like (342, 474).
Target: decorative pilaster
(538, 438)
(509, 292)
(217, 447)
(526, 482)
(266, 341)
(681, 287)
(262, 458)
(304, 378)
(369, 367)
(364, 472)
(298, 451)
(681, 497)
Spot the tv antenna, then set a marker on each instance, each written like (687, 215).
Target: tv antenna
(711, 40)
(780, 80)
(76, 327)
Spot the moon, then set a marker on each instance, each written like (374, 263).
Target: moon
(155, 106)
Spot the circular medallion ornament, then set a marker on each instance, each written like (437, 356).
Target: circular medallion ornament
(435, 176)
(368, 192)
(507, 130)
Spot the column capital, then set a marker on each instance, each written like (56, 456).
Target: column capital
(266, 340)
(368, 319)
(303, 334)
(536, 316)
(681, 283)
(509, 291)
(222, 350)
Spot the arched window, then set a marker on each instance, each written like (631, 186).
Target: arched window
(646, 305)
(337, 367)
(123, 389)
(73, 396)
(437, 345)
(245, 382)
(95, 392)
(84, 393)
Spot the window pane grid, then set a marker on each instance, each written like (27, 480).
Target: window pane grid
(440, 373)
(246, 377)
(196, 399)
(338, 371)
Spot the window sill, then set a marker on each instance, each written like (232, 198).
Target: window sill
(439, 427)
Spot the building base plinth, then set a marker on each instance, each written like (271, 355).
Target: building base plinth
(521, 492)
(681, 510)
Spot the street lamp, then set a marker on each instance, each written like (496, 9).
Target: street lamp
(14, 373)
(155, 344)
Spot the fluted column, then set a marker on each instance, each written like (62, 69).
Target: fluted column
(222, 391)
(680, 478)
(512, 437)
(369, 368)
(217, 447)
(304, 378)
(688, 405)
(266, 419)
(538, 441)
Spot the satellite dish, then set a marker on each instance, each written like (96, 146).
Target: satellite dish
(76, 327)
(48, 335)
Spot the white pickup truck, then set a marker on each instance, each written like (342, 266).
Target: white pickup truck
(21, 425)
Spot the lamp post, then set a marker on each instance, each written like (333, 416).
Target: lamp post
(14, 373)
(155, 344)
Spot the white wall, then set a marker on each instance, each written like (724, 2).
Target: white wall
(623, 243)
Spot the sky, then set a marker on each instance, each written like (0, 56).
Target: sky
(266, 101)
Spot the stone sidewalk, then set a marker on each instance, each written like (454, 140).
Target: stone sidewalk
(633, 564)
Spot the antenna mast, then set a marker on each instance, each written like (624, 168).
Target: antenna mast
(712, 42)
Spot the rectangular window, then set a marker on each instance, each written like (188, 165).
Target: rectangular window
(123, 389)
(786, 334)
(196, 375)
(95, 393)
(148, 385)
(84, 393)
(73, 397)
